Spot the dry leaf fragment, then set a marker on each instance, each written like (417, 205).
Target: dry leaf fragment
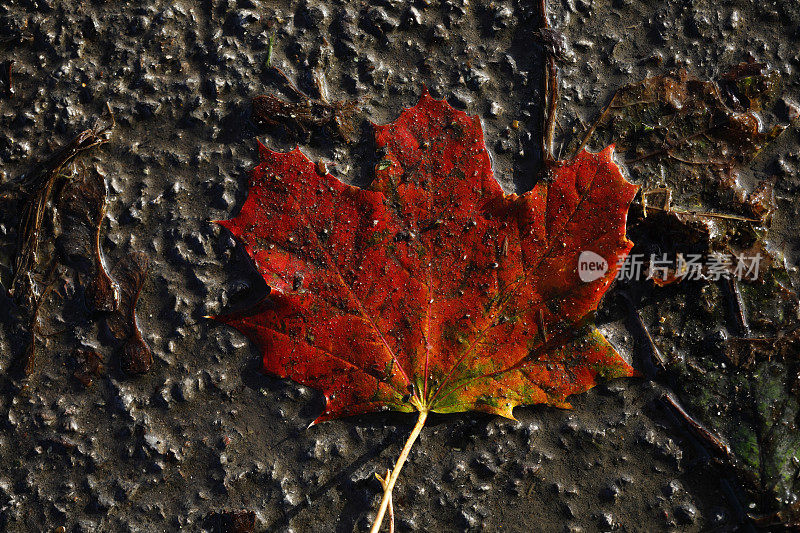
(82, 207)
(306, 115)
(130, 274)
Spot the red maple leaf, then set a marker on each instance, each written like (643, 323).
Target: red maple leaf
(432, 290)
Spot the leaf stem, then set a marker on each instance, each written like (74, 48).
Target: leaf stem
(387, 492)
(384, 482)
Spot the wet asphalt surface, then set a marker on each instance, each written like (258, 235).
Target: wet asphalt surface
(203, 431)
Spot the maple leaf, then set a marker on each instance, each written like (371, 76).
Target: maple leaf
(432, 290)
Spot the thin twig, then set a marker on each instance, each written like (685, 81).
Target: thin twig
(736, 303)
(701, 214)
(296, 90)
(596, 123)
(717, 444)
(552, 105)
(672, 145)
(550, 92)
(691, 161)
(656, 359)
(387, 492)
(633, 104)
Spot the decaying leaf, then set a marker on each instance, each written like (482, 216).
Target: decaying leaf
(738, 393)
(130, 274)
(82, 207)
(36, 187)
(704, 124)
(734, 362)
(305, 115)
(692, 138)
(25, 203)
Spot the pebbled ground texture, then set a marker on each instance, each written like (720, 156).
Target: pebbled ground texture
(203, 431)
